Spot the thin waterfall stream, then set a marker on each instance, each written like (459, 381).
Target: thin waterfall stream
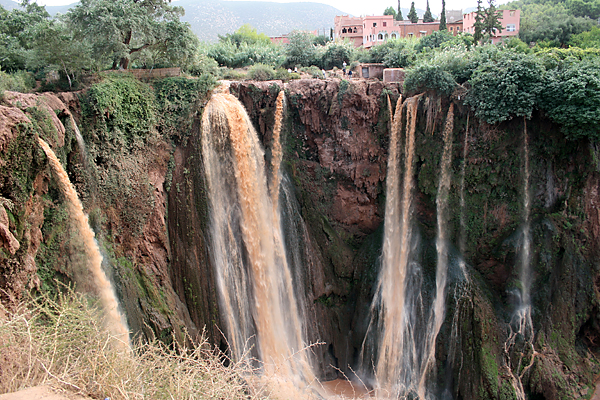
(439, 304)
(115, 320)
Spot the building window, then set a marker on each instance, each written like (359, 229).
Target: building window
(394, 36)
(380, 37)
(458, 28)
(354, 29)
(344, 30)
(451, 29)
(384, 23)
(512, 13)
(374, 24)
(511, 28)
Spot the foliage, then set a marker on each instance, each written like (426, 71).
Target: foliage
(455, 60)
(428, 76)
(504, 84)
(20, 81)
(478, 24)
(261, 72)
(229, 55)
(300, 51)
(245, 34)
(434, 40)
(124, 106)
(587, 39)
(313, 71)
(427, 17)
(390, 11)
(177, 98)
(491, 20)
(443, 26)
(119, 30)
(204, 65)
(334, 54)
(17, 33)
(412, 14)
(321, 40)
(572, 96)
(399, 16)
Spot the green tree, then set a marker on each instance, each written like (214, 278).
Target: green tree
(491, 19)
(120, 29)
(17, 33)
(427, 17)
(412, 14)
(390, 11)
(443, 26)
(246, 34)
(478, 25)
(300, 50)
(399, 16)
(586, 40)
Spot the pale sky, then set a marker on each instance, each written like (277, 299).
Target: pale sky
(355, 7)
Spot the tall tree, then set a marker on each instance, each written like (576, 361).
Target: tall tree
(427, 17)
(399, 16)
(478, 25)
(390, 11)
(412, 14)
(491, 20)
(443, 26)
(121, 29)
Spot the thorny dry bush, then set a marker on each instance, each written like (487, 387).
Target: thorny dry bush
(62, 343)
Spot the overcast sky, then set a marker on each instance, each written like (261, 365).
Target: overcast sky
(355, 7)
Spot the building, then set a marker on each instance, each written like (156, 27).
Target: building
(510, 24)
(372, 30)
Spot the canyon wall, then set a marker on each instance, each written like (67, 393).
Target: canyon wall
(144, 190)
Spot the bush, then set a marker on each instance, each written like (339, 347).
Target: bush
(204, 66)
(20, 81)
(504, 84)
(62, 342)
(434, 40)
(313, 71)
(428, 76)
(334, 54)
(300, 50)
(261, 72)
(572, 96)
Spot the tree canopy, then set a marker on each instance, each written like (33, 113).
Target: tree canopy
(412, 14)
(390, 11)
(427, 17)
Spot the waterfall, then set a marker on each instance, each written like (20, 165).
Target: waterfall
(398, 296)
(80, 141)
(463, 223)
(521, 325)
(437, 317)
(255, 283)
(114, 318)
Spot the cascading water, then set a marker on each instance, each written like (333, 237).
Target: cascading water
(254, 280)
(521, 325)
(397, 301)
(463, 222)
(114, 318)
(437, 317)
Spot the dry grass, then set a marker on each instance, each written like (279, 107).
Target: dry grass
(62, 342)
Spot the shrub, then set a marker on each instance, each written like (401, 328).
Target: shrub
(313, 71)
(261, 72)
(504, 84)
(334, 54)
(20, 81)
(428, 76)
(571, 98)
(300, 50)
(204, 66)
(433, 41)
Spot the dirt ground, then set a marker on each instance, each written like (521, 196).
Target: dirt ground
(40, 393)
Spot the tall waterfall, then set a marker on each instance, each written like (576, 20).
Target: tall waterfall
(437, 317)
(393, 310)
(254, 280)
(521, 324)
(114, 318)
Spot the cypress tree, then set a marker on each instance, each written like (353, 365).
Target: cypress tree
(427, 17)
(412, 14)
(399, 15)
(478, 25)
(443, 26)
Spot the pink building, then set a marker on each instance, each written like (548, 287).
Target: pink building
(373, 30)
(510, 24)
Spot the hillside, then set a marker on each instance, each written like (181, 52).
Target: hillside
(212, 18)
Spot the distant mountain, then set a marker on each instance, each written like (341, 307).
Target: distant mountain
(210, 18)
